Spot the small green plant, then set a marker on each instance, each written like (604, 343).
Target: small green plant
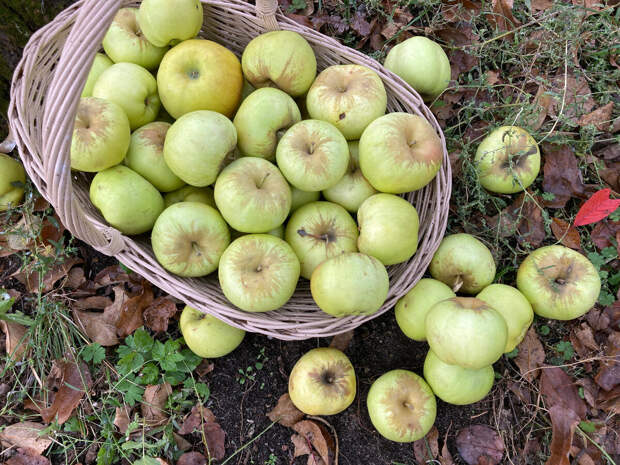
(609, 278)
(565, 352)
(272, 460)
(250, 372)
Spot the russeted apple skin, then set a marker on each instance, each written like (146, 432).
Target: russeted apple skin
(100, 64)
(559, 282)
(189, 238)
(515, 309)
(190, 194)
(467, 332)
(318, 231)
(11, 171)
(411, 309)
(348, 96)
(206, 335)
(282, 59)
(463, 258)
(261, 119)
(322, 382)
(457, 385)
(301, 198)
(507, 160)
(167, 21)
(401, 406)
(399, 153)
(388, 227)
(258, 272)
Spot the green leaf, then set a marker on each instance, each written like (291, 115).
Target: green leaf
(143, 341)
(17, 317)
(587, 426)
(605, 298)
(174, 377)
(145, 460)
(596, 259)
(93, 353)
(132, 393)
(106, 454)
(544, 330)
(150, 374)
(130, 363)
(513, 353)
(6, 302)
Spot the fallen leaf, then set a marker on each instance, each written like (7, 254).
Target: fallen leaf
(562, 177)
(114, 274)
(192, 458)
(558, 389)
(182, 443)
(563, 422)
(603, 231)
(601, 117)
(582, 339)
(25, 458)
(522, 393)
(461, 34)
(26, 435)
(596, 208)
(96, 301)
(577, 100)
(76, 277)
(590, 6)
(541, 5)
(502, 16)
(531, 355)
(461, 62)
(195, 418)
(609, 401)
(301, 445)
(523, 219)
(459, 10)
(131, 316)
(608, 376)
(285, 412)
(477, 441)
(300, 19)
(153, 403)
(359, 24)
(590, 390)
(16, 341)
(202, 419)
(121, 419)
(158, 313)
(101, 326)
(427, 448)
(565, 233)
(341, 341)
(31, 279)
(205, 367)
(318, 437)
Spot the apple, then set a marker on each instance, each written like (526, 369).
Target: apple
(197, 146)
(559, 282)
(126, 200)
(411, 309)
(350, 284)
(388, 227)
(190, 194)
(165, 22)
(101, 135)
(124, 41)
(199, 74)
(515, 309)
(464, 263)
(318, 231)
(348, 96)
(457, 385)
(421, 63)
(322, 382)
(282, 59)
(313, 155)
(258, 272)
(100, 64)
(466, 331)
(301, 198)
(507, 160)
(131, 87)
(252, 195)
(189, 238)
(353, 188)
(206, 335)
(401, 406)
(262, 119)
(12, 182)
(400, 152)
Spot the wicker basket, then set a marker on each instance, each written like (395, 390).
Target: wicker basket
(44, 96)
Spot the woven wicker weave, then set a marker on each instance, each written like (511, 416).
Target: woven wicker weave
(44, 96)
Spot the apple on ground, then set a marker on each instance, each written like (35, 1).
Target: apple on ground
(464, 263)
(388, 227)
(300, 198)
(318, 231)
(199, 74)
(190, 194)
(165, 22)
(322, 382)
(282, 59)
(101, 135)
(12, 182)
(131, 87)
(559, 282)
(100, 64)
(206, 335)
(258, 272)
(411, 309)
(400, 152)
(401, 406)
(126, 200)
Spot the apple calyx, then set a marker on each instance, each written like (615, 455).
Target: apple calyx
(406, 403)
(333, 377)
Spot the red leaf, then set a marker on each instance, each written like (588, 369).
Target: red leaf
(596, 208)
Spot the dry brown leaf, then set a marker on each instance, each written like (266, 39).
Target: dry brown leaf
(341, 341)
(541, 5)
(195, 418)
(192, 458)
(477, 441)
(16, 341)
(559, 389)
(563, 422)
(131, 317)
(492, 77)
(319, 437)
(566, 233)
(531, 355)
(359, 24)
(590, 6)
(157, 315)
(459, 10)
(582, 339)
(523, 219)
(427, 448)
(121, 419)
(205, 367)
(96, 301)
(76, 277)
(285, 412)
(577, 98)
(461, 62)
(609, 401)
(23, 457)
(182, 443)
(608, 376)
(522, 393)
(601, 117)
(202, 419)
(446, 457)
(25, 435)
(57, 272)
(301, 444)
(603, 231)
(562, 177)
(101, 326)
(502, 16)
(590, 390)
(153, 403)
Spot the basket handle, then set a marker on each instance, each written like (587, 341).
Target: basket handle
(266, 11)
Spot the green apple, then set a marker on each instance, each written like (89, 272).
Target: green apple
(208, 336)
(466, 331)
(411, 309)
(190, 194)
(322, 382)
(400, 152)
(189, 238)
(318, 231)
(401, 406)
(313, 155)
(421, 63)
(126, 200)
(350, 284)
(388, 227)
(515, 309)
(101, 135)
(100, 64)
(559, 282)
(507, 160)
(199, 74)
(165, 22)
(259, 272)
(262, 119)
(282, 59)
(125, 43)
(353, 188)
(348, 96)
(131, 87)
(301, 198)
(464, 263)
(12, 182)
(197, 146)
(457, 385)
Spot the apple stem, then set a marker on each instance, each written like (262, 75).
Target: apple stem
(260, 184)
(318, 237)
(458, 283)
